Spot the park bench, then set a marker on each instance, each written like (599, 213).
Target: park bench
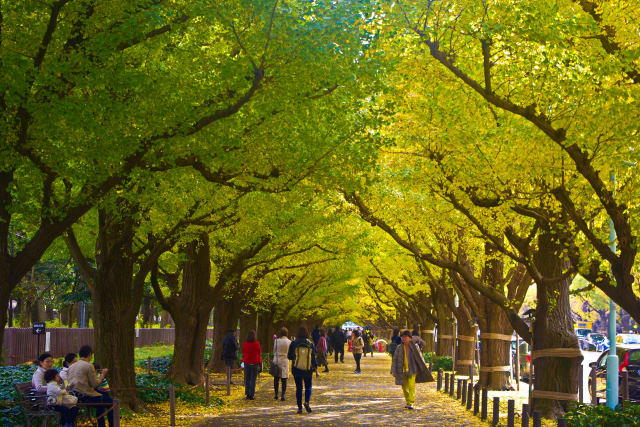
(34, 406)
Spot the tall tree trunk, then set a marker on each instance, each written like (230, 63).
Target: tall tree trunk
(445, 331)
(190, 310)
(147, 311)
(495, 352)
(553, 328)
(225, 317)
(116, 304)
(466, 352)
(428, 325)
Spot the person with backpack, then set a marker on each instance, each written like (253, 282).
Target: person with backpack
(357, 345)
(303, 357)
(321, 350)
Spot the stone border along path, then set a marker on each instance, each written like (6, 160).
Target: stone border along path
(341, 397)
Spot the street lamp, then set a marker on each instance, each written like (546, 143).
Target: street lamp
(612, 357)
(12, 306)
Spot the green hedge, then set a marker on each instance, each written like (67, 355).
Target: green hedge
(601, 415)
(9, 375)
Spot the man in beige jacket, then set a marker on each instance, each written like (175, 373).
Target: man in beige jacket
(83, 381)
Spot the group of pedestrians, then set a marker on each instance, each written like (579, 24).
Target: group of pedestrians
(307, 352)
(77, 382)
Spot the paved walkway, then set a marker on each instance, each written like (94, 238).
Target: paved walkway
(342, 397)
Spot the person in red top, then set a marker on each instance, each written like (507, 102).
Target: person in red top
(252, 363)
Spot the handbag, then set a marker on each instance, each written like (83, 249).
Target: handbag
(274, 369)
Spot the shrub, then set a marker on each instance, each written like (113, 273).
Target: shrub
(445, 363)
(156, 390)
(159, 364)
(601, 415)
(9, 375)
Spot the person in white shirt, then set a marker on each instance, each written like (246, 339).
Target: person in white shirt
(38, 383)
(280, 350)
(69, 360)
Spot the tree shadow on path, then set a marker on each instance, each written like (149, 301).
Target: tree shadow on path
(341, 397)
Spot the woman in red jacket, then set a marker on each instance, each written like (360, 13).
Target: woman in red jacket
(252, 363)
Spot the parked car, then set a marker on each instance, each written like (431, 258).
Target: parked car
(628, 338)
(629, 360)
(597, 342)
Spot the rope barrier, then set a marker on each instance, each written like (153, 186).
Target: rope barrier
(505, 368)
(491, 336)
(557, 352)
(465, 338)
(464, 362)
(429, 331)
(445, 337)
(554, 395)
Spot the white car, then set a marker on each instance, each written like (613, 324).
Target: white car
(628, 338)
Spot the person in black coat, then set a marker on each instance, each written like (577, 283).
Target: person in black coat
(230, 348)
(338, 344)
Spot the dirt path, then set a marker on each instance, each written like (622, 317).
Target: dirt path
(342, 397)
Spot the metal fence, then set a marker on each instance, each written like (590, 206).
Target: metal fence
(21, 345)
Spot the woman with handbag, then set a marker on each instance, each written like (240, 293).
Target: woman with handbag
(280, 363)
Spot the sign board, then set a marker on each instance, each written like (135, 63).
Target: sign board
(39, 328)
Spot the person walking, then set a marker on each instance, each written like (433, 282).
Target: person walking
(408, 367)
(395, 339)
(321, 350)
(252, 360)
(303, 357)
(230, 352)
(280, 351)
(357, 345)
(338, 344)
(315, 335)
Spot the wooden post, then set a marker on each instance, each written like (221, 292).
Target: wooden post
(452, 383)
(496, 411)
(149, 365)
(446, 382)
(485, 397)
(459, 389)
(439, 380)
(172, 405)
(476, 399)
(594, 383)
(455, 343)
(537, 419)
(625, 385)
(511, 413)
(206, 386)
(228, 380)
(469, 397)
(525, 415)
(517, 362)
(116, 413)
(581, 385)
(463, 400)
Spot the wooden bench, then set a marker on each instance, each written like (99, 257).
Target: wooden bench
(34, 406)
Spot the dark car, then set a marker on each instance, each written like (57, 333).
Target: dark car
(629, 360)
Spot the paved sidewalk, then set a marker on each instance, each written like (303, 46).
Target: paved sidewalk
(342, 398)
